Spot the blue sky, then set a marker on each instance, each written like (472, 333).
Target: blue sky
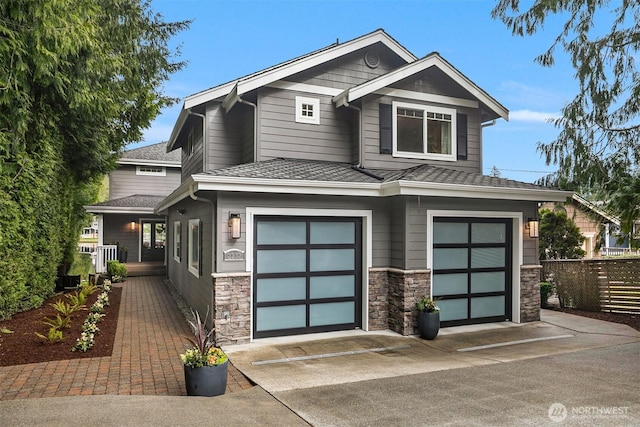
(229, 39)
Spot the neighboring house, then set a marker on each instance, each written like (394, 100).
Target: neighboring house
(601, 230)
(331, 191)
(143, 178)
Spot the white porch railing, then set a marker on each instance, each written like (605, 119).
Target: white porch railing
(105, 253)
(619, 252)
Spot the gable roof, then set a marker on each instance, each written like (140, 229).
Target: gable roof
(593, 208)
(151, 155)
(432, 60)
(293, 176)
(232, 90)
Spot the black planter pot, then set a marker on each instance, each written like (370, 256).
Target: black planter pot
(428, 324)
(206, 380)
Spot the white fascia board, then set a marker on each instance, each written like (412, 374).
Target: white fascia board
(180, 193)
(118, 210)
(142, 162)
(208, 95)
(288, 186)
(303, 64)
(177, 127)
(231, 99)
(417, 67)
(472, 192)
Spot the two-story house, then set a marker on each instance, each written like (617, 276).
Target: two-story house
(143, 178)
(331, 191)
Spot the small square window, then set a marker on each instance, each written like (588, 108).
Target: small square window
(307, 110)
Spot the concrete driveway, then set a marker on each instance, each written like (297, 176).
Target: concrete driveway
(565, 368)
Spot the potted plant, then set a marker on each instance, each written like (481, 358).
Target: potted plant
(428, 318)
(205, 364)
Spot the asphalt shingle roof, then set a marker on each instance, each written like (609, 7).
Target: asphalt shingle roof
(305, 170)
(135, 201)
(157, 152)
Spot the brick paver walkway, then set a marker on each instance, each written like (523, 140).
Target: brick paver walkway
(145, 358)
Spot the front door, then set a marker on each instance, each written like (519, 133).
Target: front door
(307, 275)
(154, 237)
(472, 269)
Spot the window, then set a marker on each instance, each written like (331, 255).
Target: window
(307, 110)
(423, 132)
(190, 142)
(195, 247)
(151, 170)
(177, 240)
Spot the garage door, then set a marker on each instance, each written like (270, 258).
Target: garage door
(307, 275)
(472, 269)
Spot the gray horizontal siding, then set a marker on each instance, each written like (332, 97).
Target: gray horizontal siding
(237, 203)
(124, 182)
(224, 139)
(349, 70)
(281, 136)
(197, 291)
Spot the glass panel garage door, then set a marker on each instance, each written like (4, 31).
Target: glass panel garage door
(472, 269)
(307, 275)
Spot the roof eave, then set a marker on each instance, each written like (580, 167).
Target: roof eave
(145, 162)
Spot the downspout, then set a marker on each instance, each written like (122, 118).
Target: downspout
(360, 136)
(204, 139)
(484, 125)
(255, 127)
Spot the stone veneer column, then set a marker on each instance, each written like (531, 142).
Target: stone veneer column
(405, 288)
(530, 293)
(232, 307)
(378, 299)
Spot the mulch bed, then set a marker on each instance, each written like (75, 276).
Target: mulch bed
(23, 346)
(632, 320)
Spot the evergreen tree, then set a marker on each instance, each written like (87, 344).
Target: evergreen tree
(560, 238)
(78, 81)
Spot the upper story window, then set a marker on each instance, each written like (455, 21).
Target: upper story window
(151, 170)
(307, 110)
(190, 142)
(424, 132)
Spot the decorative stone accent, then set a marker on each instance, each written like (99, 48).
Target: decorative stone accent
(232, 307)
(378, 299)
(530, 293)
(405, 287)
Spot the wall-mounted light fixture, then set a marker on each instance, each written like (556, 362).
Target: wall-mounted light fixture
(234, 225)
(132, 225)
(533, 224)
(181, 211)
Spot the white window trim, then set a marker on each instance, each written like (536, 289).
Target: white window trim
(315, 102)
(177, 239)
(161, 172)
(190, 261)
(367, 245)
(518, 247)
(425, 108)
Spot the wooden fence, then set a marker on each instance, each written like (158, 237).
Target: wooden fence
(611, 285)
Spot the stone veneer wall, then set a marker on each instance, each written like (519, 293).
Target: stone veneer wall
(530, 293)
(232, 297)
(378, 299)
(405, 288)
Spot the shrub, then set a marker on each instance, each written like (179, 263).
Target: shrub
(117, 271)
(546, 290)
(54, 335)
